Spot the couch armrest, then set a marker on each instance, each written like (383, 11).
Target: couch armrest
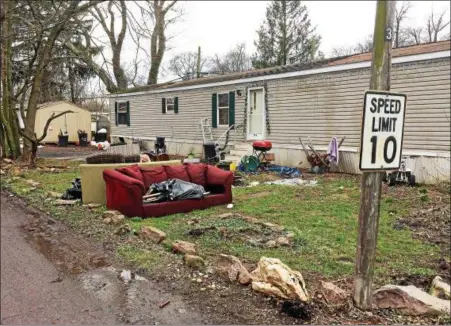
(123, 193)
(219, 177)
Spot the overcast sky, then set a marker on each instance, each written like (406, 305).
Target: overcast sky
(217, 26)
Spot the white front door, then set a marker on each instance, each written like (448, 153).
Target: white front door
(255, 114)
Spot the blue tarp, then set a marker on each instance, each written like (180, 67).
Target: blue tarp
(284, 171)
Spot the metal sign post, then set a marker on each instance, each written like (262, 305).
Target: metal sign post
(371, 182)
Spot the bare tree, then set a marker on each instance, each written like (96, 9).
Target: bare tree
(436, 24)
(400, 33)
(235, 60)
(343, 51)
(416, 35)
(184, 65)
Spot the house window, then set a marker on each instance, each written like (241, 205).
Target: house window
(223, 109)
(170, 104)
(122, 113)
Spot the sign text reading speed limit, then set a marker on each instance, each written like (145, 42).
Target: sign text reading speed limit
(382, 130)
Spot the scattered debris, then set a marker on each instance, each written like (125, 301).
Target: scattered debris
(226, 215)
(73, 192)
(152, 234)
(66, 201)
(273, 277)
(230, 268)
(440, 288)
(271, 244)
(126, 276)
(164, 304)
(92, 205)
(54, 194)
(110, 214)
(123, 230)
(410, 300)
(32, 183)
(183, 247)
(253, 184)
(297, 309)
(283, 241)
(293, 182)
(333, 294)
(7, 160)
(230, 206)
(194, 261)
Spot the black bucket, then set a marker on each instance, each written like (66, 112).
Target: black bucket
(63, 140)
(83, 139)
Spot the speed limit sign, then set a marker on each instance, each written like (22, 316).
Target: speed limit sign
(382, 130)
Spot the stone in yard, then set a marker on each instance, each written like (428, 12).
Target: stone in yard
(231, 269)
(250, 219)
(333, 293)
(283, 241)
(440, 288)
(226, 215)
(7, 160)
(410, 300)
(290, 235)
(107, 220)
(66, 201)
(53, 194)
(271, 244)
(152, 234)
(2, 172)
(123, 230)
(275, 278)
(183, 247)
(194, 261)
(110, 214)
(116, 219)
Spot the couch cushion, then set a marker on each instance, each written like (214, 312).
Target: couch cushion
(197, 173)
(153, 175)
(177, 172)
(132, 171)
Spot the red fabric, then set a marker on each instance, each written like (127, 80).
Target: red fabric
(132, 171)
(197, 173)
(125, 193)
(176, 172)
(153, 175)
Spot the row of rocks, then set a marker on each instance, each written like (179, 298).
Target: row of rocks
(274, 278)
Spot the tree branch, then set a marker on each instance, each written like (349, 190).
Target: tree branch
(47, 124)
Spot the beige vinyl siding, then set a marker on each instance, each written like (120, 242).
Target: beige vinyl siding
(147, 119)
(317, 106)
(79, 119)
(327, 105)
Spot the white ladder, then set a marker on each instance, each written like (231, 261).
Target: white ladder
(206, 130)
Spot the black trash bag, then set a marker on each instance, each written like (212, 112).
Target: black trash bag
(74, 192)
(176, 189)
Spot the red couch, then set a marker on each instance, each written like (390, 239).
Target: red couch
(126, 186)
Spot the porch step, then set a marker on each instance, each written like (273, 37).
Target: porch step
(232, 158)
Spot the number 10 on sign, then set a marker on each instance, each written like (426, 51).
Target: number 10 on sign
(382, 130)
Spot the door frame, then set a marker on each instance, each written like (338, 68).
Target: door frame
(248, 112)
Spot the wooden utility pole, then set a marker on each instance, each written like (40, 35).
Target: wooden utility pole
(371, 182)
(198, 62)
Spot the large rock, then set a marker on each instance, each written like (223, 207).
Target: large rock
(280, 280)
(53, 194)
(152, 234)
(440, 288)
(184, 247)
(333, 293)
(230, 268)
(410, 300)
(194, 261)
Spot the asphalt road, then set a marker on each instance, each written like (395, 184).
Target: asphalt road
(36, 287)
(28, 295)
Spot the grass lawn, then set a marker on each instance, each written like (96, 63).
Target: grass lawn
(323, 218)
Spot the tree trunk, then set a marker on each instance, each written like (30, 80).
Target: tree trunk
(157, 45)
